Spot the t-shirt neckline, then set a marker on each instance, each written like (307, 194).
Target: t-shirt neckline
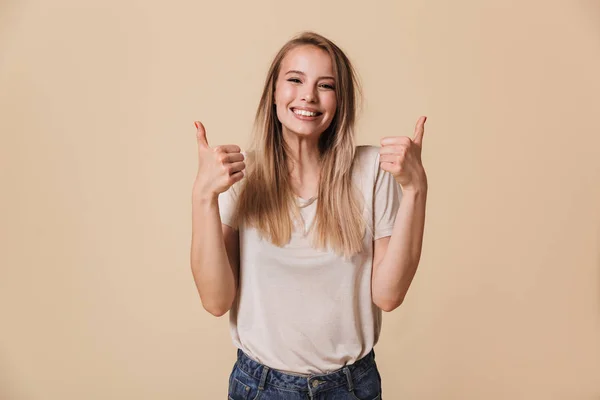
(305, 202)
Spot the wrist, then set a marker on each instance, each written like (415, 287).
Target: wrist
(204, 198)
(419, 186)
(414, 190)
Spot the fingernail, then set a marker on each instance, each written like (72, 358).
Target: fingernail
(196, 124)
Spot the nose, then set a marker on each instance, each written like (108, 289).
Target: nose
(309, 96)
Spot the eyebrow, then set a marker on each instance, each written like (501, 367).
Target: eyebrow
(293, 71)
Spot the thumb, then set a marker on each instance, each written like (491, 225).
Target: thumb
(420, 131)
(201, 135)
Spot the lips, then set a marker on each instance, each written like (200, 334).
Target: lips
(306, 109)
(307, 118)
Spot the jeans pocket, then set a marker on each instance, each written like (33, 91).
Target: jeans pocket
(367, 386)
(242, 386)
(238, 390)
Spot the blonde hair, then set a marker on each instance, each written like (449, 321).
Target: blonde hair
(266, 200)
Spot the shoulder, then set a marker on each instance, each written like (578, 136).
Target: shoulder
(365, 168)
(366, 151)
(366, 157)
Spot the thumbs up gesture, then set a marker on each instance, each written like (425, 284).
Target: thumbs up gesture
(218, 167)
(401, 156)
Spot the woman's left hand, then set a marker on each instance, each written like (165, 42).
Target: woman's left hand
(401, 156)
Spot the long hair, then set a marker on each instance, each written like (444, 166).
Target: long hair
(267, 201)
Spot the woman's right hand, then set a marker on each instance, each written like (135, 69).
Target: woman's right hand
(218, 167)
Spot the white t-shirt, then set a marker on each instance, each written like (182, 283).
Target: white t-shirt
(307, 311)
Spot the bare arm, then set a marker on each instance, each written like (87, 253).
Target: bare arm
(214, 256)
(396, 258)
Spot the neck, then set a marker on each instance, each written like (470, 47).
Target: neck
(304, 164)
(304, 152)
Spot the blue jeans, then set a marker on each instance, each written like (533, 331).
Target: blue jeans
(250, 380)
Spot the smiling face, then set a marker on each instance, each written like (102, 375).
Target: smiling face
(305, 92)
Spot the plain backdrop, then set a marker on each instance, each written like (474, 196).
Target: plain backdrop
(98, 158)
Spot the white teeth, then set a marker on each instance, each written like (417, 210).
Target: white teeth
(305, 113)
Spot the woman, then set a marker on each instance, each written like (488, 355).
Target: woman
(306, 238)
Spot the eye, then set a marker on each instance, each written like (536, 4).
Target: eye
(295, 80)
(326, 86)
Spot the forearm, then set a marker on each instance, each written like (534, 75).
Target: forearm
(210, 265)
(397, 268)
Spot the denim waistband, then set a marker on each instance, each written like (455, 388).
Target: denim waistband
(268, 376)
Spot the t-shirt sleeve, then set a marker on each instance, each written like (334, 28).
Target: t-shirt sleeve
(227, 204)
(386, 201)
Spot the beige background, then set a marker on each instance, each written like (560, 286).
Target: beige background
(97, 152)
